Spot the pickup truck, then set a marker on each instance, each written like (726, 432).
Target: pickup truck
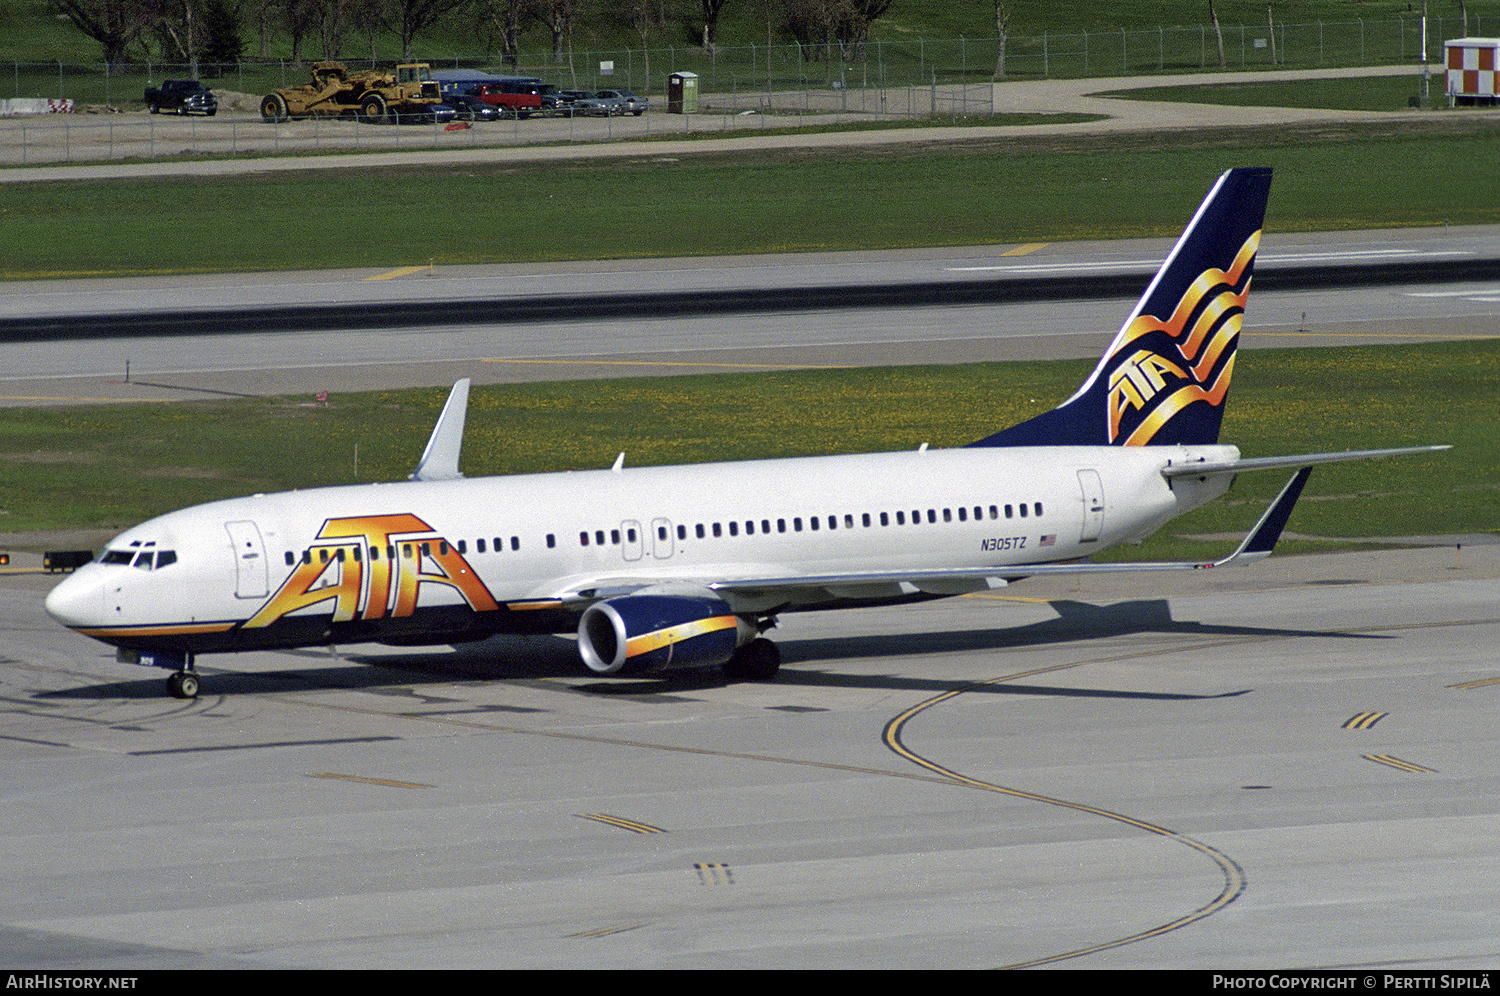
(182, 96)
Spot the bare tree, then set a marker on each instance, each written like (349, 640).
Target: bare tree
(1271, 31)
(331, 19)
(1213, 15)
(114, 24)
(561, 17)
(508, 17)
(646, 17)
(409, 18)
(709, 10)
(299, 17)
(1002, 35)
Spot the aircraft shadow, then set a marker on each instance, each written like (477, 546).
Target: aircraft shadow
(513, 658)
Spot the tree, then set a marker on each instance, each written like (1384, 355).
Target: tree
(508, 17)
(409, 18)
(710, 10)
(645, 20)
(1002, 35)
(1213, 15)
(114, 24)
(561, 17)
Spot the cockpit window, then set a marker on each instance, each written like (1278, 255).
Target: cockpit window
(144, 560)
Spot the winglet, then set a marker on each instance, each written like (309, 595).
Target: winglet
(440, 459)
(1262, 539)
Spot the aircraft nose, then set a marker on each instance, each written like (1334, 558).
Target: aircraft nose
(77, 602)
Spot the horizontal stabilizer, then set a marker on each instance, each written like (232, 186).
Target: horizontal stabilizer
(1209, 468)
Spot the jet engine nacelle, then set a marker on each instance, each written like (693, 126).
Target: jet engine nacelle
(647, 632)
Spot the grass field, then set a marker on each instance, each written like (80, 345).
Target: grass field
(979, 192)
(112, 466)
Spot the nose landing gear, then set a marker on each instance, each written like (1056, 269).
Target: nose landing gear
(183, 685)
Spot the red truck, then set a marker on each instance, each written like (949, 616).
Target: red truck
(518, 98)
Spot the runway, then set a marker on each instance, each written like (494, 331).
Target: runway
(1289, 766)
(219, 353)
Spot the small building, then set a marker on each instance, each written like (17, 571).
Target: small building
(1473, 70)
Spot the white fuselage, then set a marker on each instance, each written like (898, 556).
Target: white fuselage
(428, 561)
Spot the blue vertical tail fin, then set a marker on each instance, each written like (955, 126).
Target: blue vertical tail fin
(1164, 379)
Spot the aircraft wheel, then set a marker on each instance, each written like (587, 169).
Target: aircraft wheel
(183, 685)
(758, 660)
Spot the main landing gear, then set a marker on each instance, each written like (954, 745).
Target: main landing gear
(758, 660)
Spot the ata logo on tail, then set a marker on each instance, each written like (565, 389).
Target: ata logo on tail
(373, 566)
(1183, 359)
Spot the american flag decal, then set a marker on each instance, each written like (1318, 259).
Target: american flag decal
(1049, 539)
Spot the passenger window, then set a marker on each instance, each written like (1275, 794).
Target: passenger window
(583, 538)
(1037, 508)
(290, 559)
(479, 545)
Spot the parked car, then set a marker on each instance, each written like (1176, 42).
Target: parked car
(567, 101)
(182, 96)
(607, 102)
(468, 107)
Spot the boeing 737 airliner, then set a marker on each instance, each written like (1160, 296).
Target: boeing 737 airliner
(676, 567)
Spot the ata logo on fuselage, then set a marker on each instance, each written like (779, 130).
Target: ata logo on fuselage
(373, 567)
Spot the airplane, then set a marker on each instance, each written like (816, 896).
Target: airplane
(674, 567)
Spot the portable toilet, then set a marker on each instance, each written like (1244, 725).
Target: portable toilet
(682, 93)
(1473, 70)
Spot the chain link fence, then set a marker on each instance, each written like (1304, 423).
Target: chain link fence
(741, 72)
(740, 88)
